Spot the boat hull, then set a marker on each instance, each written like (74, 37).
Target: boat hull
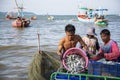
(20, 24)
(89, 20)
(103, 23)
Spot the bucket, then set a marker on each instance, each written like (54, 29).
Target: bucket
(76, 51)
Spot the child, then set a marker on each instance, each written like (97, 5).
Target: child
(110, 49)
(91, 41)
(70, 40)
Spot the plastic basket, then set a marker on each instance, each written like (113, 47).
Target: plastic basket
(99, 68)
(68, 76)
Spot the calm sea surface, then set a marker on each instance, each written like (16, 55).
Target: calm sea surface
(17, 46)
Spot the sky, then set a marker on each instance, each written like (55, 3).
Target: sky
(60, 7)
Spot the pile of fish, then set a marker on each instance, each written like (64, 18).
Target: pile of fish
(75, 63)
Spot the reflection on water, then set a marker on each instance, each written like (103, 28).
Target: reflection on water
(17, 46)
(14, 61)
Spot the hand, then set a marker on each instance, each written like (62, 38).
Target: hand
(60, 54)
(88, 55)
(101, 55)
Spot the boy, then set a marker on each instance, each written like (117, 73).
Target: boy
(110, 49)
(69, 41)
(91, 41)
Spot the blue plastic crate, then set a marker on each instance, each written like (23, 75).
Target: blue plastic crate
(61, 76)
(94, 68)
(68, 77)
(99, 68)
(74, 77)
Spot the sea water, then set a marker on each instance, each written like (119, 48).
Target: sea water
(17, 46)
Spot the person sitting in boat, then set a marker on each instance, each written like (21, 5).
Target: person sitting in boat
(86, 14)
(25, 22)
(69, 41)
(91, 41)
(8, 17)
(96, 16)
(110, 49)
(100, 19)
(18, 21)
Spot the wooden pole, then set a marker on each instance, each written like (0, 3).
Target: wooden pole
(39, 43)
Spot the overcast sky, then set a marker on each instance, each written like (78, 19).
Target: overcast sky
(60, 7)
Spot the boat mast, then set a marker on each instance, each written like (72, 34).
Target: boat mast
(20, 8)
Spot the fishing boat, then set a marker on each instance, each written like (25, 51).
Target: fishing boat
(85, 15)
(21, 21)
(33, 18)
(11, 16)
(101, 23)
(100, 19)
(50, 17)
(75, 62)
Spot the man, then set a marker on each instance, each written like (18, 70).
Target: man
(70, 40)
(110, 49)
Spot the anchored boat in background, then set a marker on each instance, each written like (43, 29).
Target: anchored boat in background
(85, 14)
(11, 15)
(100, 18)
(21, 21)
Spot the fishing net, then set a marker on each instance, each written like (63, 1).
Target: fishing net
(43, 65)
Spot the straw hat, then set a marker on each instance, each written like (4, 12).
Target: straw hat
(91, 31)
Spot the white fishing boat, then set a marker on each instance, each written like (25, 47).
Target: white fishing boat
(85, 15)
(50, 18)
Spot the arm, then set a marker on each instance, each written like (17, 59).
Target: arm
(97, 44)
(60, 47)
(99, 56)
(82, 43)
(115, 52)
